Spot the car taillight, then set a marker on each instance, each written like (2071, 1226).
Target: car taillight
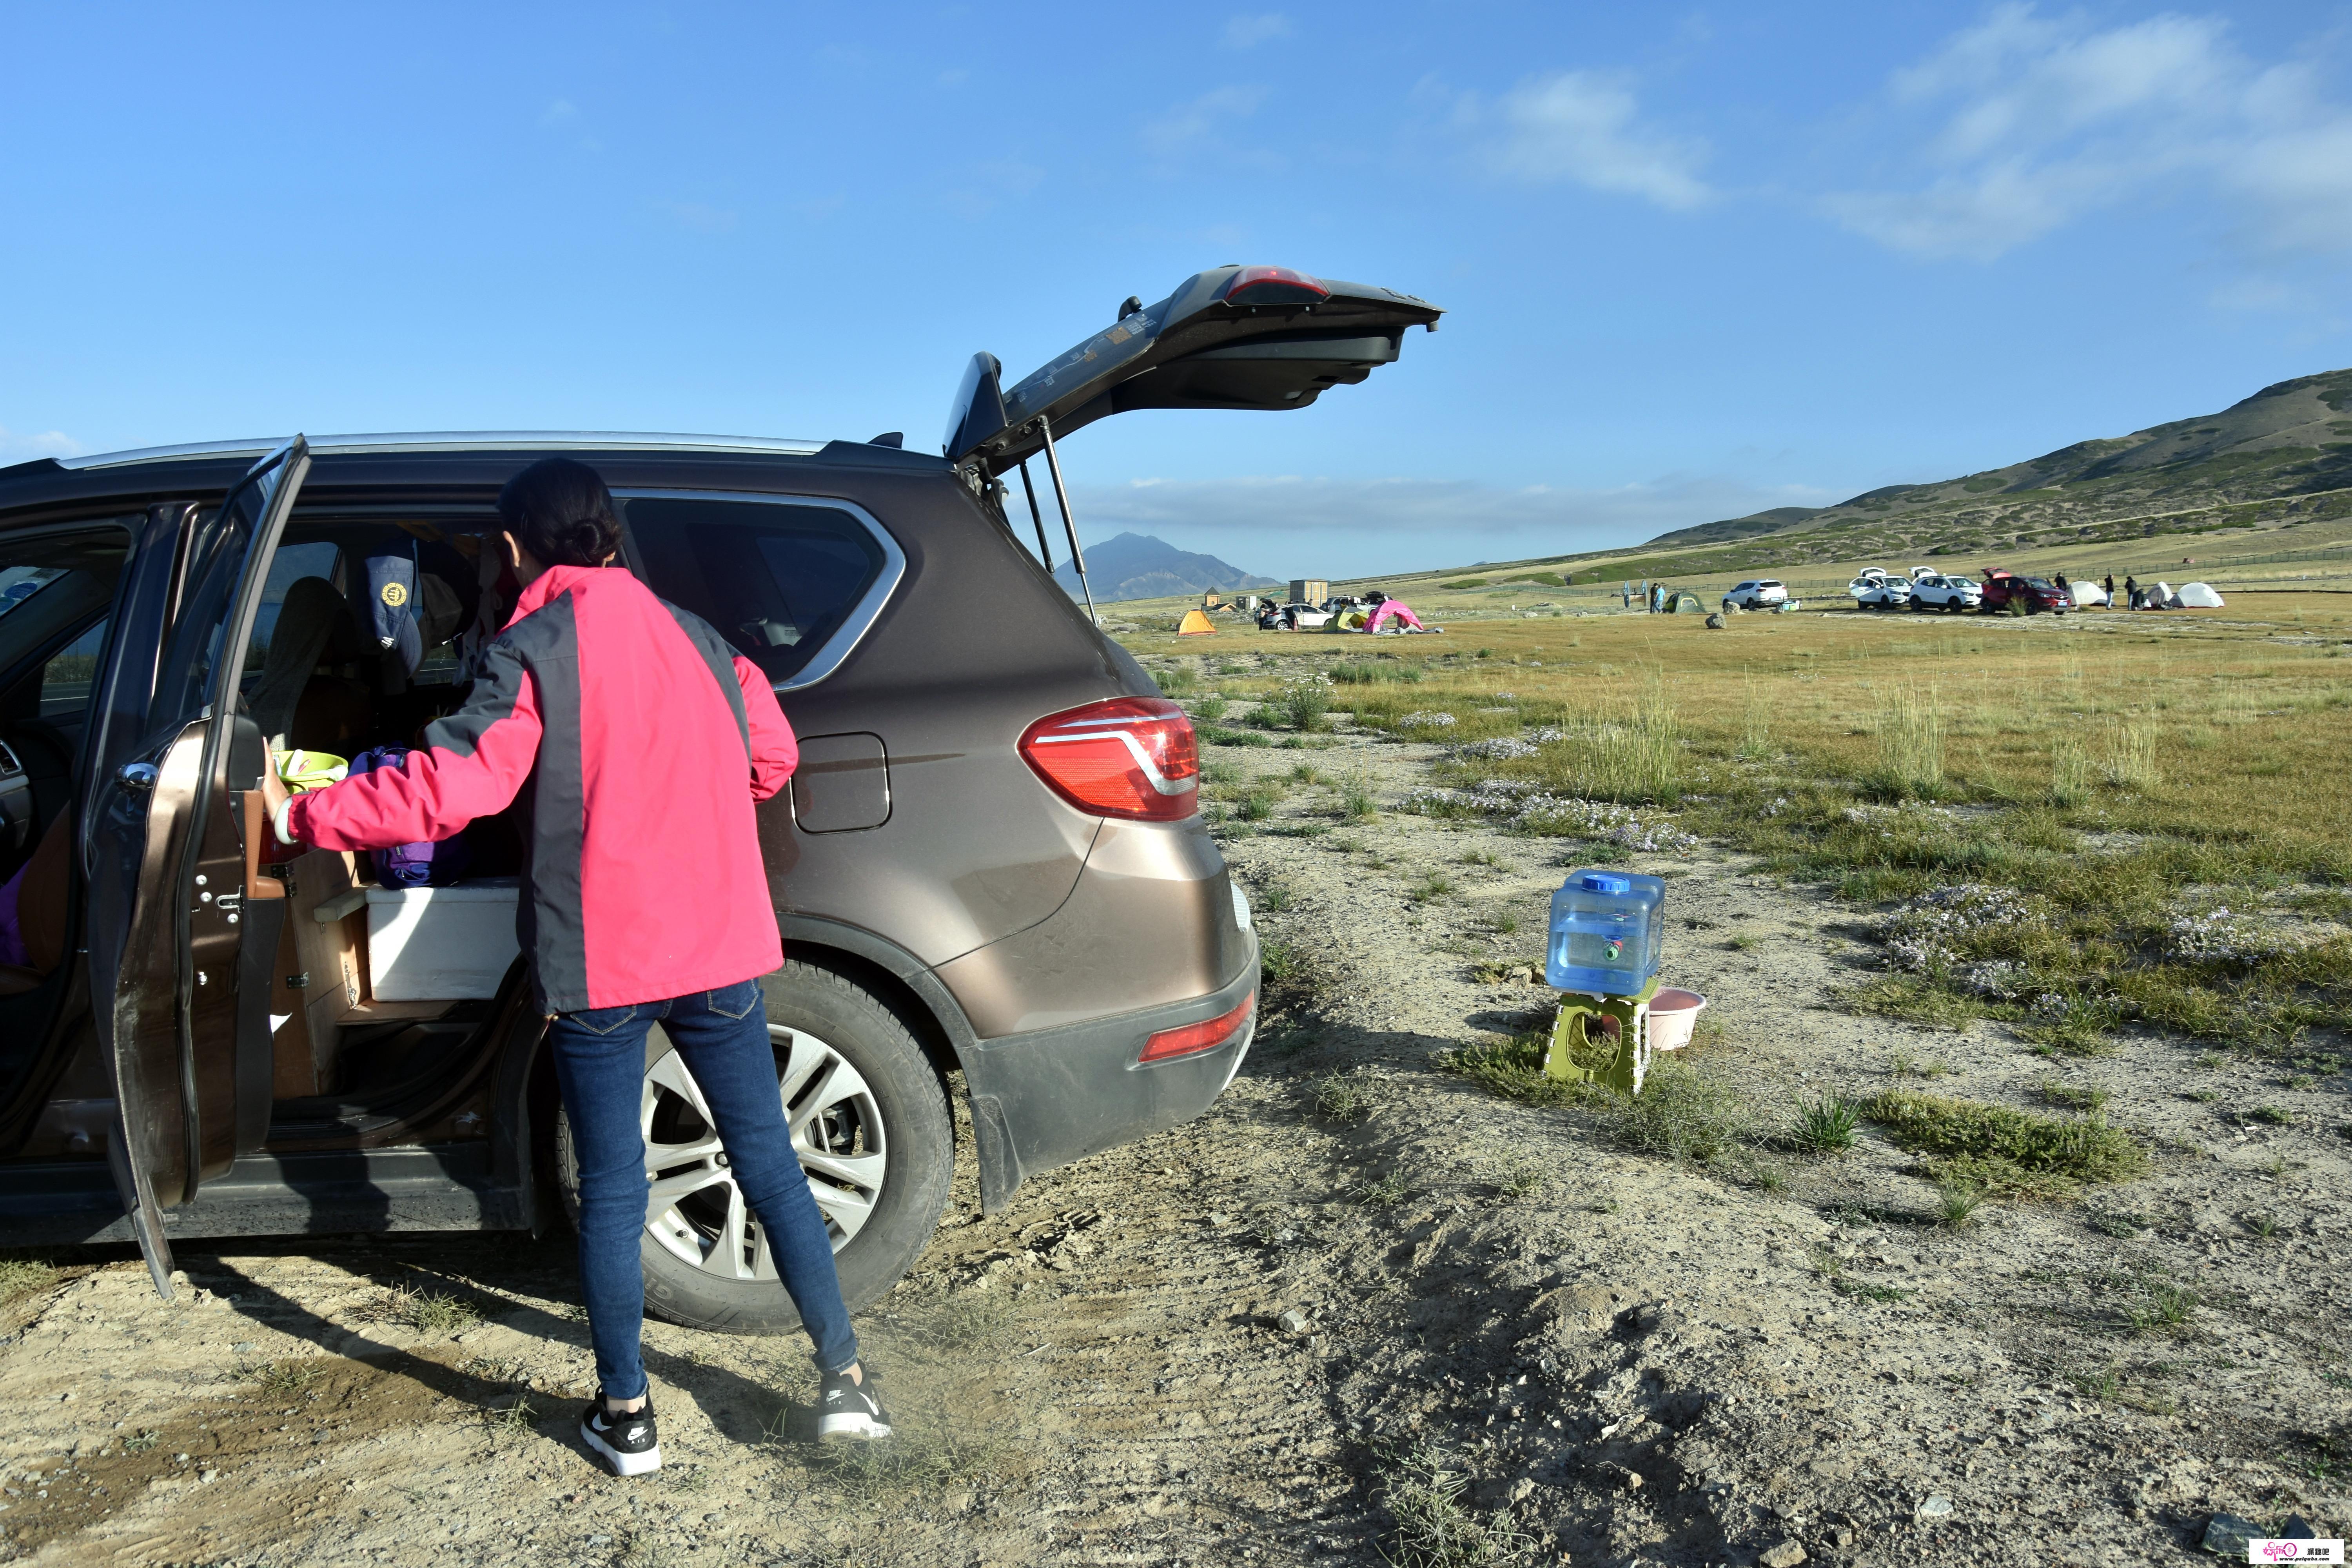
(1130, 756)
(1192, 1040)
(1274, 286)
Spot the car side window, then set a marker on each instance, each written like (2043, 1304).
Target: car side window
(66, 678)
(776, 579)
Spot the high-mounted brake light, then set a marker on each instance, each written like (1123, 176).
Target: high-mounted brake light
(1274, 286)
(1129, 756)
(1192, 1040)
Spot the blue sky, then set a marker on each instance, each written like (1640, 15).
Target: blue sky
(1695, 262)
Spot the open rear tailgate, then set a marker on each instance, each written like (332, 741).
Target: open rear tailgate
(1236, 337)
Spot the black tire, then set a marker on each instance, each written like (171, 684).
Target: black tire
(916, 1138)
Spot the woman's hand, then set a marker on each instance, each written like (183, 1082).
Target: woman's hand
(273, 794)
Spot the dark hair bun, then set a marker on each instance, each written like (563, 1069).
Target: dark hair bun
(562, 512)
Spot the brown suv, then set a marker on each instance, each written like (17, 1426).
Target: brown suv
(989, 863)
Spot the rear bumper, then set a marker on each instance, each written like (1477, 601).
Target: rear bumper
(1050, 1096)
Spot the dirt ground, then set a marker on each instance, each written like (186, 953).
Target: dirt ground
(1513, 1340)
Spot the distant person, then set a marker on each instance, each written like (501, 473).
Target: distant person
(2062, 583)
(2111, 590)
(2131, 592)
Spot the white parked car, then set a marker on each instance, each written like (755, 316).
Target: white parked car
(1757, 595)
(1875, 590)
(1951, 594)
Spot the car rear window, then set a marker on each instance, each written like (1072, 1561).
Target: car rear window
(777, 579)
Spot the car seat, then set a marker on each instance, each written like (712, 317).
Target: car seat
(292, 704)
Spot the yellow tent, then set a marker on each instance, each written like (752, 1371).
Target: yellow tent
(1196, 625)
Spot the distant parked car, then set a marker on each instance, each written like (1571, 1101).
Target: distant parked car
(1301, 617)
(1951, 594)
(1756, 594)
(1875, 590)
(2002, 589)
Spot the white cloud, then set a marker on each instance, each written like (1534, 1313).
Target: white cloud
(1586, 128)
(2039, 122)
(1249, 32)
(1188, 124)
(2298, 177)
(19, 449)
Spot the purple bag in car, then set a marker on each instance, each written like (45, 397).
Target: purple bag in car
(420, 865)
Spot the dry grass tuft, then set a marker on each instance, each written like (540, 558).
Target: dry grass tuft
(427, 1310)
(2127, 755)
(21, 1276)
(1910, 746)
(2013, 1153)
(1432, 1526)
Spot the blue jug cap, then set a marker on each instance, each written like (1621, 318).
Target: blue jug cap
(1602, 882)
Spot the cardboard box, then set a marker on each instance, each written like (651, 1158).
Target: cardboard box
(329, 969)
(441, 944)
(293, 1067)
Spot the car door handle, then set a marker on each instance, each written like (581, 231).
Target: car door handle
(138, 776)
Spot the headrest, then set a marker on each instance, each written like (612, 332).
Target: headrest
(392, 607)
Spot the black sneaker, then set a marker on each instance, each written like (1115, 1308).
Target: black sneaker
(850, 1412)
(626, 1443)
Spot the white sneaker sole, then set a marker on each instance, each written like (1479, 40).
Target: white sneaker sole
(857, 1428)
(644, 1464)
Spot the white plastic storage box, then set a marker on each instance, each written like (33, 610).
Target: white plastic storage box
(441, 944)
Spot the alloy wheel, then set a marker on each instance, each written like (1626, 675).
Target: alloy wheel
(695, 1207)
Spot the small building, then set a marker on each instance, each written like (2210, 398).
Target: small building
(1310, 590)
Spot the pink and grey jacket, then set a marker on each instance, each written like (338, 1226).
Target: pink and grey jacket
(638, 742)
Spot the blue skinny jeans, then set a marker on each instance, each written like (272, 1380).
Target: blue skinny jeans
(600, 1069)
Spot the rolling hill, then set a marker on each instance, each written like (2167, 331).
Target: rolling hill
(2283, 455)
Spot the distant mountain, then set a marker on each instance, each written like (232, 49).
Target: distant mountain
(2270, 460)
(1138, 566)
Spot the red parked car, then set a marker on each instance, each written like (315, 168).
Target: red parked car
(2002, 589)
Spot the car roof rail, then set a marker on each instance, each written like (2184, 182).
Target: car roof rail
(459, 441)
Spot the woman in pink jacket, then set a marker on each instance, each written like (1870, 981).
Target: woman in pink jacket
(637, 742)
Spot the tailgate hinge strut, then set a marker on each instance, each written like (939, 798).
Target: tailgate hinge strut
(1069, 523)
(1029, 489)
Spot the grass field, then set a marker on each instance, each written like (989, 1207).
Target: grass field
(2080, 826)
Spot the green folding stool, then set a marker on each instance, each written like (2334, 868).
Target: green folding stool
(1614, 1027)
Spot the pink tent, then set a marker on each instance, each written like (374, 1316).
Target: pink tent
(1396, 609)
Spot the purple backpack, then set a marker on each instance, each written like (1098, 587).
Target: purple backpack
(420, 865)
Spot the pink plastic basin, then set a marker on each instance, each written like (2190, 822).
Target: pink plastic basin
(1673, 1013)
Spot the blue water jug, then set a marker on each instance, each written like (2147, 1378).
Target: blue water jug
(1606, 930)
